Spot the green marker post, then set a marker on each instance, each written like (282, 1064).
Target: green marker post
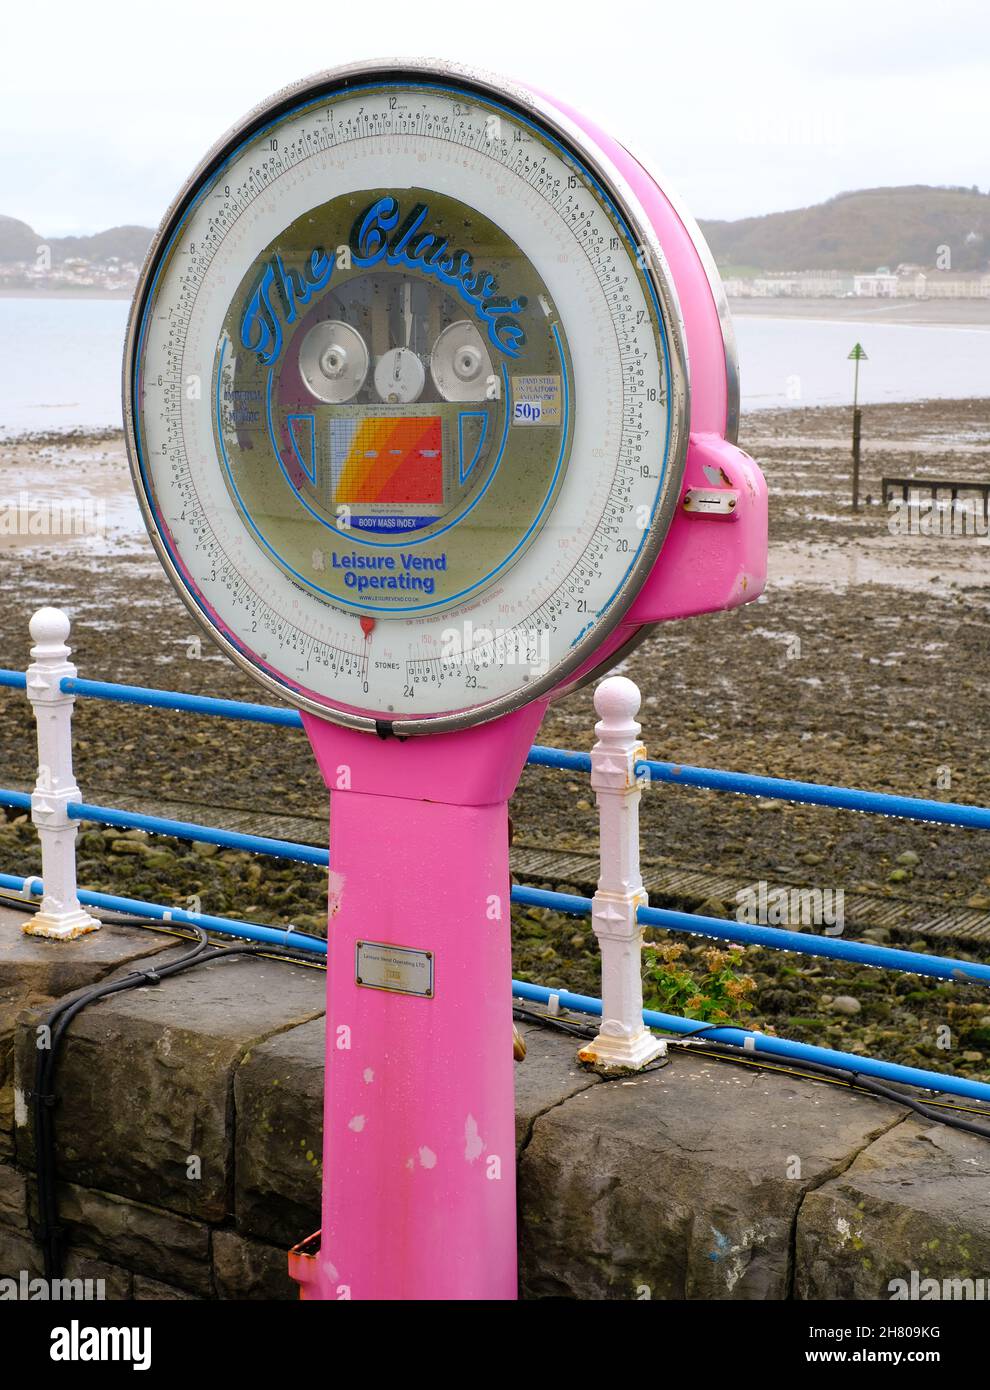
(857, 355)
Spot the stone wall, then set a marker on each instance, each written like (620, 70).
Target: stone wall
(189, 1128)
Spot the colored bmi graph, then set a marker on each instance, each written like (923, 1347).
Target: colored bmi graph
(387, 460)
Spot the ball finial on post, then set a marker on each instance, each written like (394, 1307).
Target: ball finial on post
(49, 628)
(617, 702)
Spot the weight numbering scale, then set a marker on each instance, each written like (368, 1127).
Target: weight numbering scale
(411, 421)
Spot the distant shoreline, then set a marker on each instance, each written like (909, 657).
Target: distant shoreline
(810, 416)
(64, 292)
(944, 313)
(932, 313)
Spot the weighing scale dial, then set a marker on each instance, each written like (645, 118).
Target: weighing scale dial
(399, 376)
(406, 397)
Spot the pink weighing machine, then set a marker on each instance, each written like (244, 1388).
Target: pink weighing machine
(431, 402)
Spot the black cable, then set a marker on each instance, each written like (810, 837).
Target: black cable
(44, 1097)
(807, 1070)
(581, 1030)
(565, 1025)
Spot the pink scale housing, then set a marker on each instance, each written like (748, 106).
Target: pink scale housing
(419, 1138)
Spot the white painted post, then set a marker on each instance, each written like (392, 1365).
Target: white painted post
(61, 915)
(623, 1042)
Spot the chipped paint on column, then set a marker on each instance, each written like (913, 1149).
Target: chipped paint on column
(474, 1145)
(419, 1116)
(403, 1210)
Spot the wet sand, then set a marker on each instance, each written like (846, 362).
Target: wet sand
(865, 663)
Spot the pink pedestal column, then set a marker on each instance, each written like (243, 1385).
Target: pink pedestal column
(419, 1116)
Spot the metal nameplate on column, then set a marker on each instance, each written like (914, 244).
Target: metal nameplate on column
(396, 968)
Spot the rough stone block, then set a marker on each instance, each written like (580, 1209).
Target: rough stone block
(36, 965)
(917, 1200)
(18, 1251)
(683, 1183)
(12, 1006)
(13, 1198)
(152, 1291)
(110, 1279)
(35, 971)
(143, 1239)
(145, 1080)
(549, 1075)
(251, 1269)
(278, 1118)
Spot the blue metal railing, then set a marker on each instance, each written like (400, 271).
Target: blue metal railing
(807, 943)
(166, 699)
(679, 774)
(819, 794)
(180, 829)
(573, 904)
(780, 1047)
(522, 989)
(782, 789)
(176, 916)
(845, 798)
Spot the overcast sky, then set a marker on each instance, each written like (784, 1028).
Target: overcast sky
(747, 107)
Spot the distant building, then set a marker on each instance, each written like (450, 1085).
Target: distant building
(799, 284)
(906, 282)
(940, 285)
(75, 272)
(881, 284)
(914, 282)
(825, 284)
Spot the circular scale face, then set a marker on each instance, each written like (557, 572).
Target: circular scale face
(405, 399)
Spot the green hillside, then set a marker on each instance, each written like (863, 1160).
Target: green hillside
(860, 231)
(853, 231)
(19, 242)
(126, 243)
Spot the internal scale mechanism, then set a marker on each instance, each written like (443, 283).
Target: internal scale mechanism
(411, 421)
